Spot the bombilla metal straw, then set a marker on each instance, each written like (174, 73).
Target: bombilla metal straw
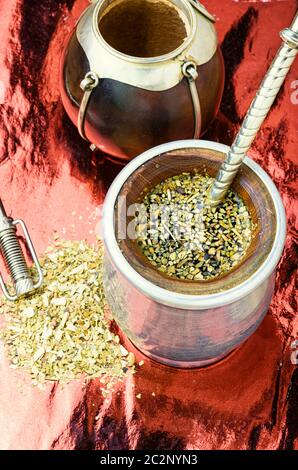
(14, 259)
(257, 113)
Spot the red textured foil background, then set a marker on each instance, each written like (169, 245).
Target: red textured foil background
(49, 177)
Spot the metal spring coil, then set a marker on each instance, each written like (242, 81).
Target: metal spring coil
(13, 255)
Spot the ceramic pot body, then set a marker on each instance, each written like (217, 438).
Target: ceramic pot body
(141, 102)
(179, 337)
(185, 330)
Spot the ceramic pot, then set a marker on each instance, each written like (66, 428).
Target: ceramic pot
(190, 323)
(138, 73)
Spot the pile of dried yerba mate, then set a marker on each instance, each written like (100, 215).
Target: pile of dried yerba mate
(185, 238)
(61, 333)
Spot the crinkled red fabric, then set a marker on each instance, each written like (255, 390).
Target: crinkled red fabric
(49, 177)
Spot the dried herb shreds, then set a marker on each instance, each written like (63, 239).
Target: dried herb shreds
(61, 332)
(183, 237)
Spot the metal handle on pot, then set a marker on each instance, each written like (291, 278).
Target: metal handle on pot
(88, 84)
(91, 80)
(257, 113)
(189, 70)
